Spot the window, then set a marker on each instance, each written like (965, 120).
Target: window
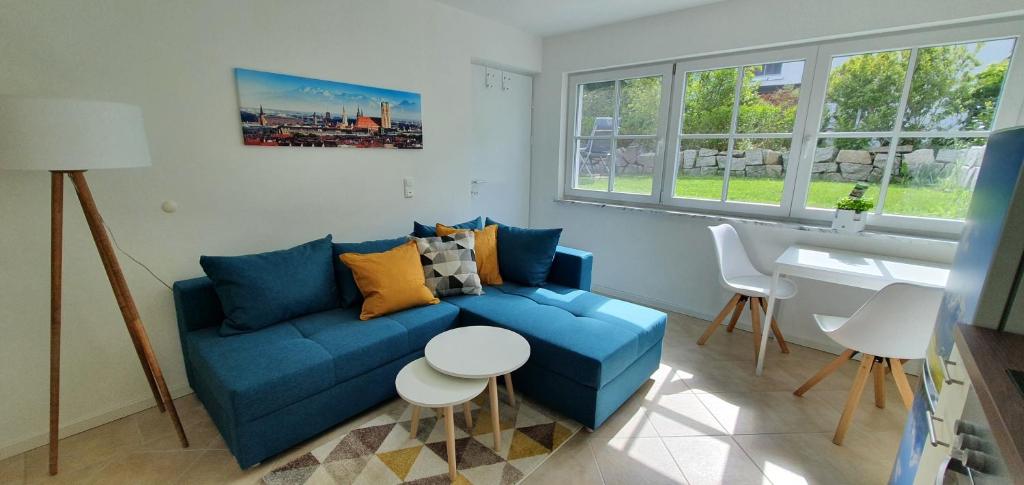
(909, 123)
(735, 133)
(768, 70)
(786, 133)
(618, 133)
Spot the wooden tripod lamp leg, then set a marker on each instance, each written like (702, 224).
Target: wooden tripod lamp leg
(56, 262)
(125, 302)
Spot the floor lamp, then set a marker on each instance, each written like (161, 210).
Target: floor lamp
(66, 138)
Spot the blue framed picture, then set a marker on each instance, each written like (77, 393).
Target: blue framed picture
(284, 110)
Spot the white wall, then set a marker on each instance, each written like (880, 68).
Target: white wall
(175, 60)
(667, 260)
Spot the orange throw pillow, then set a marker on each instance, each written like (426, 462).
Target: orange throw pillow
(486, 247)
(389, 281)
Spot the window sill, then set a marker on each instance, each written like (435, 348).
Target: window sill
(796, 226)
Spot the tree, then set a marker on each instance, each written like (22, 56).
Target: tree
(639, 105)
(639, 101)
(941, 87)
(864, 92)
(597, 100)
(945, 94)
(708, 101)
(983, 94)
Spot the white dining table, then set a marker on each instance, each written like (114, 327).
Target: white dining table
(848, 268)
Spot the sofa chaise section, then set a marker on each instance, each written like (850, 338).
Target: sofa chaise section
(589, 353)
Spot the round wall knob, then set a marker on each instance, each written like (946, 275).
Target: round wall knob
(169, 206)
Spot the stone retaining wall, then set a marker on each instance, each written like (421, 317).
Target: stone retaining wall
(745, 163)
(924, 165)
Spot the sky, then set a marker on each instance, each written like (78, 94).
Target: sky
(991, 51)
(294, 93)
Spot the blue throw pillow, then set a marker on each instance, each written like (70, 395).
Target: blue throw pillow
(420, 230)
(259, 290)
(347, 289)
(525, 255)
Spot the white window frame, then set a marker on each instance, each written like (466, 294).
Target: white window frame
(737, 61)
(1008, 110)
(817, 57)
(573, 122)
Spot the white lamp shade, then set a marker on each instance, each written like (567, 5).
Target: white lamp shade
(70, 134)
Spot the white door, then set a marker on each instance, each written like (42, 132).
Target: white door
(501, 145)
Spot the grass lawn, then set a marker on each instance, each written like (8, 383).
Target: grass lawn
(901, 199)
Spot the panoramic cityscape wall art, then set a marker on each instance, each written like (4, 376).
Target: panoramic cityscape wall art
(283, 110)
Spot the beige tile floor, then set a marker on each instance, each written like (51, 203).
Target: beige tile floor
(704, 418)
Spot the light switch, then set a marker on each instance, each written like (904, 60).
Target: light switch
(409, 185)
(506, 81)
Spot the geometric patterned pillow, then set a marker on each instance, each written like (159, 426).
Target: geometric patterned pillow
(449, 264)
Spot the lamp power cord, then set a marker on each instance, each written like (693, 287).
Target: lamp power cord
(133, 258)
(110, 232)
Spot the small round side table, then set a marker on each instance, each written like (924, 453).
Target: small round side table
(422, 386)
(480, 352)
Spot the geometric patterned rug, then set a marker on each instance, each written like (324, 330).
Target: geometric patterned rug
(381, 451)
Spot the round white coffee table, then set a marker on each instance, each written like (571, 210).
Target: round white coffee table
(480, 352)
(422, 386)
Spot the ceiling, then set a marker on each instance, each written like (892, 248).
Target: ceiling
(551, 17)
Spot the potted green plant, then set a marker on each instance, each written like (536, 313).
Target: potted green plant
(851, 214)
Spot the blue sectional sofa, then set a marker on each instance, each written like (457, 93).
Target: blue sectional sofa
(273, 388)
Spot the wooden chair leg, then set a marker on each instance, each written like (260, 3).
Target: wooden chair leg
(718, 319)
(755, 317)
(879, 370)
(854, 398)
(414, 423)
(896, 366)
(449, 426)
(825, 371)
(783, 346)
(736, 313)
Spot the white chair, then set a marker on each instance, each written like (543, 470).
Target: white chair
(737, 274)
(894, 326)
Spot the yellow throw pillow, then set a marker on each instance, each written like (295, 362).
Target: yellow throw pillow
(486, 247)
(389, 281)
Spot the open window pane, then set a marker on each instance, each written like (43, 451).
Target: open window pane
(593, 159)
(701, 166)
(768, 101)
(957, 87)
(842, 163)
(639, 102)
(597, 107)
(758, 170)
(634, 165)
(863, 92)
(934, 177)
(708, 101)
